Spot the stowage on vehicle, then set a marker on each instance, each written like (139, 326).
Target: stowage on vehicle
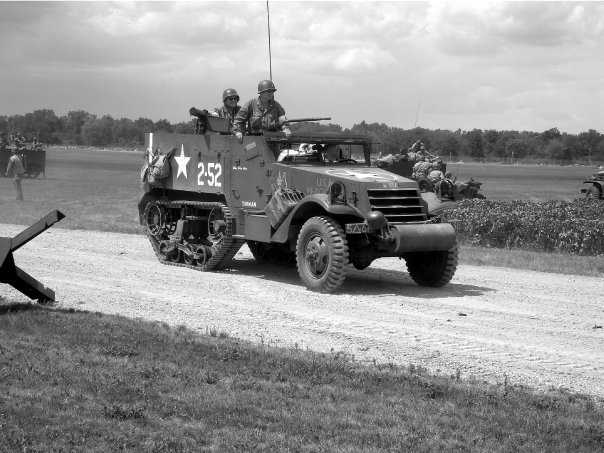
(312, 199)
(594, 185)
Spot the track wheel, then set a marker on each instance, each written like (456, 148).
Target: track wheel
(163, 253)
(188, 259)
(176, 255)
(205, 253)
(322, 254)
(154, 215)
(432, 269)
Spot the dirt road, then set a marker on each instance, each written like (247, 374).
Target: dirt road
(537, 329)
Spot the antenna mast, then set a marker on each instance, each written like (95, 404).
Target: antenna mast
(416, 115)
(270, 61)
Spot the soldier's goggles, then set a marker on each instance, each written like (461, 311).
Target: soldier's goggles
(233, 98)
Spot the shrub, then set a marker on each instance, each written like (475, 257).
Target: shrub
(575, 227)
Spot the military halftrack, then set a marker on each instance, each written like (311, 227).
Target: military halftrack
(312, 199)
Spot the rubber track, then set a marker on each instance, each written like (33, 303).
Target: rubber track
(227, 249)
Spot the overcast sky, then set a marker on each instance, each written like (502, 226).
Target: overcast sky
(441, 65)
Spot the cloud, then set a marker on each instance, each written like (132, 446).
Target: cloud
(474, 65)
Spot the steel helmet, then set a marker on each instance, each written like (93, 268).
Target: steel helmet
(266, 85)
(228, 93)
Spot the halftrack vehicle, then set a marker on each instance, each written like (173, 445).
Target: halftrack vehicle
(312, 199)
(594, 185)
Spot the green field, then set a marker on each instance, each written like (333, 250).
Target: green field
(81, 180)
(96, 190)
(525, 182)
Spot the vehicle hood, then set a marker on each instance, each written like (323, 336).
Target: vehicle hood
(317, 179)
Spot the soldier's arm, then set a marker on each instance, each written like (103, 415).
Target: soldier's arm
(241, 118)
(281, 118)
(282, 121)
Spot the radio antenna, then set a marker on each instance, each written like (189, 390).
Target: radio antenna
(417, 114)
(270, 62)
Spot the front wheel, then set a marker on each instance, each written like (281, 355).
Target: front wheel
(322, 254)
(593, 192)
(424, 185)
(434, 269)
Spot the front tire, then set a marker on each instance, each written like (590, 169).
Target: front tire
(593, 192)
(433, 269)
(322, 254)
(424, 185)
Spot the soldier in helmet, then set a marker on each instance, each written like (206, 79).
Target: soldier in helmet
(261, 113)
(230, 107)
(19, 141)
(424, 154)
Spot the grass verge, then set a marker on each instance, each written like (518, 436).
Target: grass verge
(559, 263)
(80, 381)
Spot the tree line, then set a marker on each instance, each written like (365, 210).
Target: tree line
(79, 127)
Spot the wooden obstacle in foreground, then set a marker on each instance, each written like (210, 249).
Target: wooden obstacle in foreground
(19, 279)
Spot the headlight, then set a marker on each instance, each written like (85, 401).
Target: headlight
(337, 193)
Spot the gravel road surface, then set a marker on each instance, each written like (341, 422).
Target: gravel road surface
(537, 329)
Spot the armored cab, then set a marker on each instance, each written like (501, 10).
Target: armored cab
(313, 200)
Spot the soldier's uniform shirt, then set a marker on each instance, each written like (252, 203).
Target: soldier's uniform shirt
(258, 119)
(224, 112)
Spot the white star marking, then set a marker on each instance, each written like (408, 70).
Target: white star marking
(182, 162)
(362, 175)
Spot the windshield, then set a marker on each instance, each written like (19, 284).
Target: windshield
(323, 153)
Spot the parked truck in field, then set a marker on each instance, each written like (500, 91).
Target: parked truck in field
(33, 155)
(312, 199)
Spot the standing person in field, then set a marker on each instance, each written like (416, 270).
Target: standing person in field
(230, 107)
(16, 169)
(261, 114)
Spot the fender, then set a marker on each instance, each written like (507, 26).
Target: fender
(311, 205)
(596, 183)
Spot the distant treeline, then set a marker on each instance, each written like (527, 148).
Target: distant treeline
(551, 146)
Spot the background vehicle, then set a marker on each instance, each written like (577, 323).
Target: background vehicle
(404, 167)
(468, 190)
(205, 195)
(594, 185)
(35, 157)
